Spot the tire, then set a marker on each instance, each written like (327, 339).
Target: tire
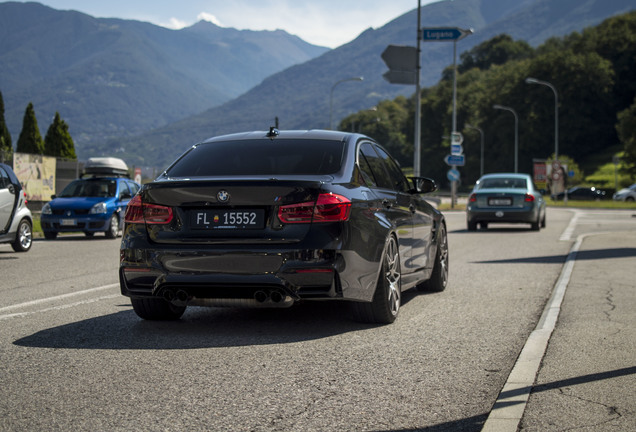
(89, 233)
(439, 277)
(156, 309)
(543, 221)
(50, 235)
(629, 199)
(113, 227)
(536, 226)
(472, 226)
(385, 306)
(483, 225)
(24, 237)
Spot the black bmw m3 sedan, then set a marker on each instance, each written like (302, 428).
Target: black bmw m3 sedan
(268, 219)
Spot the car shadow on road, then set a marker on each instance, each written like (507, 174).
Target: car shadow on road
(515, 229)
(594, 254)
(202, 327)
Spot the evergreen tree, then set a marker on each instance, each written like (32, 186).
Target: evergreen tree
(58, 141)
(30, 140)
(6, 146)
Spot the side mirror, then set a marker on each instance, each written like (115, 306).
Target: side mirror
(12, 189)
(423, 185)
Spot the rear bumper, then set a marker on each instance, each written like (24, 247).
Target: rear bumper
(224, 274)
(92, 223)
(503, 215)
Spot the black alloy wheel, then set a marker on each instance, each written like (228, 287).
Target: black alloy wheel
(385, 306)
(439, 277)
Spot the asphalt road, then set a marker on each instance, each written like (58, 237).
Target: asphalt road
(74, 356)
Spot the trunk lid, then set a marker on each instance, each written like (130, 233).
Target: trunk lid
(229, 211)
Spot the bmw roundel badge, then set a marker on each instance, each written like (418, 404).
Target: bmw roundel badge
(223, 196)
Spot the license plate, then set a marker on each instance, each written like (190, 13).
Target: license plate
(227, 219)
(68, 222)
(499, 201)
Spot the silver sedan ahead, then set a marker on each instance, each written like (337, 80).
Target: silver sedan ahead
(505, 198)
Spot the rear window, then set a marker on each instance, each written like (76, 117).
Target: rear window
(502, 183)
(260, 157)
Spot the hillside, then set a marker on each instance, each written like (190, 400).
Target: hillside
(299, 95)
(112, 78)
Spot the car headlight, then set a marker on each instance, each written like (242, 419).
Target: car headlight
(98, 208)
(46, 209)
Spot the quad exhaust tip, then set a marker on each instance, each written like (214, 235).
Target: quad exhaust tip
(262, 298)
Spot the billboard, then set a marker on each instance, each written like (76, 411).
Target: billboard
(36, 174)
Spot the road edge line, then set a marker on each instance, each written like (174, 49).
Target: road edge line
(510, 405)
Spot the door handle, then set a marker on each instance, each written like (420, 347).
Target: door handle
(386, 203)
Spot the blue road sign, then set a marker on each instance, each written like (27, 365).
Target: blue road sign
(455, 160)
(456, 149)
(452, 174)
(444, 34)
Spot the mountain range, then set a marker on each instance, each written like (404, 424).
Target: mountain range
(297, 95)
(111, 78)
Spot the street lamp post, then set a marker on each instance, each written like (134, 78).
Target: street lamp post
(501, 107)
(331, 97)
(481, 160)
(556, 112)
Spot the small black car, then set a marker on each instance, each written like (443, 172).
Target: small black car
(579, 193)
(267, 219)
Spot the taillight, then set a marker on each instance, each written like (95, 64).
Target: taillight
(139, 212)
(472, 198)
(329, 207)
(529, 198)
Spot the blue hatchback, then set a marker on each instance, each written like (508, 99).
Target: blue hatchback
(89, 205)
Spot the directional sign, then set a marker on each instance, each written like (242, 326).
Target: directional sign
(444, 34)
(455, 160)
(400, 77)
(402, 62)
(400, 57)
(452, 174)
(456, 149)
(457, 138)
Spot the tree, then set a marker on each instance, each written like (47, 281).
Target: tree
(496, 51)
(30, 140)
(626, 129)
(58, 141)
(6, 147)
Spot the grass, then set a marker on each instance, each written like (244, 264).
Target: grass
(37, 226)
(607, 204)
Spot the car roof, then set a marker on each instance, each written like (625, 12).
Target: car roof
(288, 134)
(12, 176)
(505, 175)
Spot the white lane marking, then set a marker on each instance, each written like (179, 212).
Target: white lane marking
(567, 234)
(513, 398)
(59, 297)
(55, 308)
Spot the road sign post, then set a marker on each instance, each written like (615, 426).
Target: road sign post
(448, 34)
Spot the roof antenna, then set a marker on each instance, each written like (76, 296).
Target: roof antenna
(273, 132)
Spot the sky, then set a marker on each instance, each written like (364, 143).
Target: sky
(328, 23)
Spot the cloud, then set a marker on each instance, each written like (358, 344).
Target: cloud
(175, 24)
(204, 16)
